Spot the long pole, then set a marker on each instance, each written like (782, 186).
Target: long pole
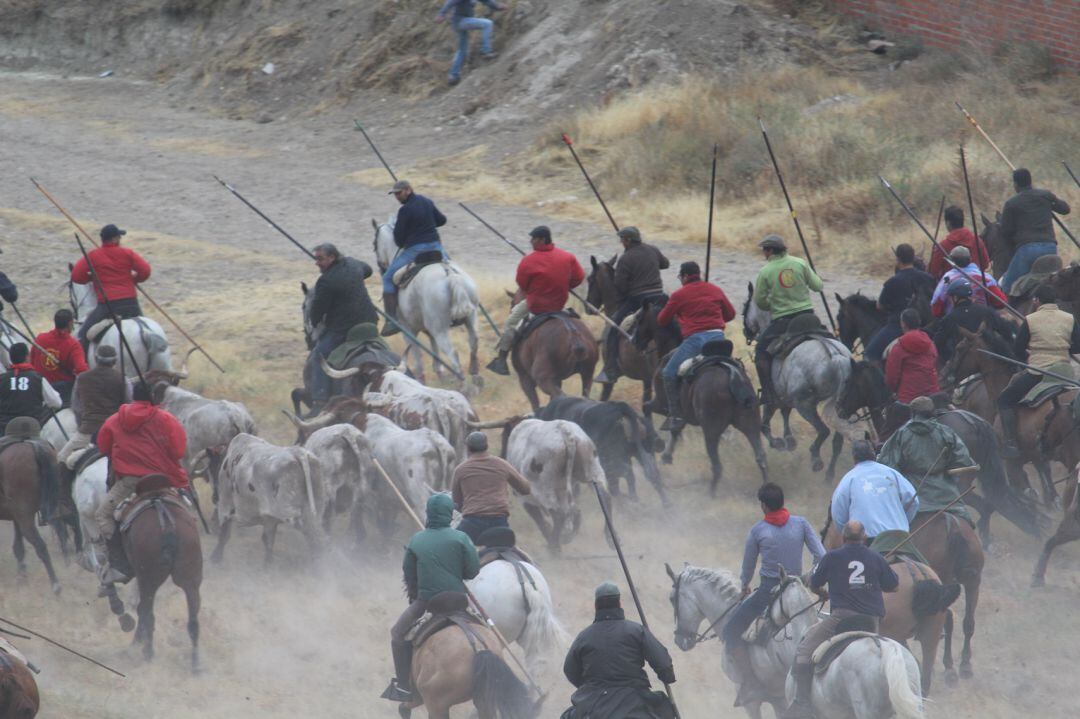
(940, 214)
(941, 511)
(712, 202)
(472, 598)
(570, 146)
(977, 126)
(794, 217)
(974, 281)
(971, 209)
(30, 340)
(607, 320)
(1069, 170)
(1025, 365)
(413, 338)
(626, 572)
(66, 649)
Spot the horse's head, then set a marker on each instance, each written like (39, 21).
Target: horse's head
(865, 387)
(847, 331)
(791, 600)
(602, 293)
(966, 359)
(82, 298)
(858, 317)
(697, 595)
(754, 319)
(1066, 282)
(384, 244)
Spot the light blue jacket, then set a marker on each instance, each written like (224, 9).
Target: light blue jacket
(876, 495)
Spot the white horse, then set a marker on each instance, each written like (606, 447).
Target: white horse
(89, 493)
(518, 600)
(51, 432)
(438, 298)
(814, 372)
(873, 677)
(144, 336)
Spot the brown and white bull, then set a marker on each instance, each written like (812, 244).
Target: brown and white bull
(210, 425)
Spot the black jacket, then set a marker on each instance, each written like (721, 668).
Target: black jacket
(417, 219)
(1028, 216)
(606, 663)
(970, 316)
(341, 300)
(8, 290)
(21, 395)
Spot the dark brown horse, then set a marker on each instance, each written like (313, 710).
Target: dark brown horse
(1063, 433)
(559, 348)
(638, 359)
(858, 319)
(18, 691)
(1000, 253)
(20, 499)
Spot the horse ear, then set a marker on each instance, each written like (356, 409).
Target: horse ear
(783, 574)
(839, 298)
(71, 267)
(613, 258)
(508, 293)
(303, 287)
(374, 224)
(592, 261)
(750, 288)
(670, 573)
(981, 329)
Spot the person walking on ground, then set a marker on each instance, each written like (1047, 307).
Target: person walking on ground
(877, 496)
(119, 270)
(63, 359)
(1027, 226)
(415, 232)
(481, 488)
(463, 20)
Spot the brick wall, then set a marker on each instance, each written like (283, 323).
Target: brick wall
(979, 23)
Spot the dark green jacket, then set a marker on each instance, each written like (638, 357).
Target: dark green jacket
(439, 559)
(926, 448)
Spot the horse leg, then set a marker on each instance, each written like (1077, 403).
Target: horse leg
(60, 529)
(1067, 531)
(951, 677)
(647, 397)
(928, 632)
(668, 455)
(223, 538)
(712, 434)
(528, 386)
(191, 593)
(145, 630)
(1050, 494)
(605, 392)
(752, 431)
(837, 445)
(766, 428)
(542, 524)
(985, 510)
(269, 534)
(474, 349)
(810, 414)
(19, 550)
(29, 529)
(789, 437)
(971, 601)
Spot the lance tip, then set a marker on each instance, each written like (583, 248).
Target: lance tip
(566, 139)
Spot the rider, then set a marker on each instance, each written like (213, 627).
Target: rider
(958, 236)
(63, 358)
(637, 277)
(896, 296)
(857, 576)
(97, 395)
(702, 309)
(438, 559)
(1046, 339)
(967, 315)
(545, 277)
(879, 497)
(783, 288)
(8, 290)
(606, 665)
(481, 488)
(965, 269)
(779, 539)
(340, 302)
(415, 232)
(119, 270)
(911, 367)
(139, 440)
(24, 392)
(925, 448)
(1027, 225)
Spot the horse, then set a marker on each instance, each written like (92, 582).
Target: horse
(1000, 252)
(439, 297)
(873, 677)
(638, 359)
(814, 371)
(145, 337)
(858, 319)
(19, 697)
(555, 350)
(20, 499)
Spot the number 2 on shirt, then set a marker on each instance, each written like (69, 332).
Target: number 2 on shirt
(857, 568)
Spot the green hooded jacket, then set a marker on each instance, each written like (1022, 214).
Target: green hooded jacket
(911, 451)
(784, 284)
(439, 559)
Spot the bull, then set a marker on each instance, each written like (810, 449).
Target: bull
(210, 424)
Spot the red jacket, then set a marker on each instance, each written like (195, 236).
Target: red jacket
(699, 307)
(65, 357)
(961, 236)
(911, 367)
(119, 270)
(546, 276)
(142, 439)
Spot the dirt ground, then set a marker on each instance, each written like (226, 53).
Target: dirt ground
(309, 638)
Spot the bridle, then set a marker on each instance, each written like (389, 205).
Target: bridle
(788, 619)
(696, 638)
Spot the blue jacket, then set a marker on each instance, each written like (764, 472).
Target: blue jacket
(876, 495)
(416, 222)
(856, 575)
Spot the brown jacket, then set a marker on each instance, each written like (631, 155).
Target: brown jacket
(638, 271)
(97, 395)
(480, 486)
(1051, 332)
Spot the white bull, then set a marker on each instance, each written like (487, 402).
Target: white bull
(557, 457)
(210, 424)
(263, 484)
(349, 480)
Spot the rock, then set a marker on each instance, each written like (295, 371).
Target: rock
(268, 68)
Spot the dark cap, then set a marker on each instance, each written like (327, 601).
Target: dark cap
(105, 355)
(905, 253)
(541, 231)
(689, 268)
(607, 590)
(959, 287)
(109, 232)
(773, 242)
(476, 442)
(399, 186)
(630, 234)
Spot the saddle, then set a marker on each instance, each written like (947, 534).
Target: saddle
(500, 543)
(888, 541)
(153, 342)
(799, 330)
(1049, 387)
(362, 345)
(718, 354)
(85, 458)
(150, 489)
(530, 323)
(830, 649)
(406, 274)
(446, 609)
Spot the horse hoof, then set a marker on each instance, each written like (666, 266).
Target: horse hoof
(478, 381)
(127, 624)
(777, 443)
(666, 459)
(951, 678)
(966, 672)
(790, 443)
(56, 588)
(817, 465)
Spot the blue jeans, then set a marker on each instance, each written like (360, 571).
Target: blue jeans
(690, 347)
(1022, 260)
(875, 348)
(321, 384)
(475, 525)
(462, 27)
(751, 608)
(403, 258)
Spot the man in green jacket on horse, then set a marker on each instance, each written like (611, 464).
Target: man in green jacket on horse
(438, 559)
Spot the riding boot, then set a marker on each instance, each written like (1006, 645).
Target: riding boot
(116, 568)
(499, 364)
(763, 365)
(1010, 428)
(751, 690)
(48, 493)
(65, 503)
(802, 707)
(390, 302)
(674, 421)
(400, 689)
(610, 372)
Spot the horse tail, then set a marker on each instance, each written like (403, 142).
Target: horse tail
(497, 691)
(994, 481)
(652, 443)
(931, 597)
(462, 302)
(309, 490)
(578, 350)
(170, 543)
(906, 701)
(543, 631)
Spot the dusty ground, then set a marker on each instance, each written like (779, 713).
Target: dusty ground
(308, 638)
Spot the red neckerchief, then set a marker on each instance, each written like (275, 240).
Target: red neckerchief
(778, 518)
(21, 366)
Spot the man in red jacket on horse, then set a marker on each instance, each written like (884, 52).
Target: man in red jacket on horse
(119, 269)
(911, 366)
(63, 358)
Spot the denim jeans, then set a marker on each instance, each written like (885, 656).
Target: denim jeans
(475, 525)
(1022, 260)
(321, 384)
(463, 26)
(875, 348)
(690, 347)
(407, 255)
(751, 608)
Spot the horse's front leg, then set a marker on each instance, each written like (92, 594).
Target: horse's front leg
(789, 438)
(766, 428)
(810, 414)
(837, 445)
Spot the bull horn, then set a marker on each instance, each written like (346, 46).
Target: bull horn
(199, 457)
(337, 373)
(497, 423)
(183, 373)
(323, 419)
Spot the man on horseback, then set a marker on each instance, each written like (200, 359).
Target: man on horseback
(878, 497)
(139, 440)
(481, 488)
(438, 559)
(1046, 339)
(1027, 225)
(415, 232)
(545, 277)
(779, 539)
(8, 290)
(967, 315)
(702, 310)
(783, 288)
(896, 296)
(97, 395)
(63, 359)
(637, 278)
(911, 367)
(958, 236)
(856, 576)
(119, 269)
(965, 269)
(24, 392)
(606, 665)
(341, 301)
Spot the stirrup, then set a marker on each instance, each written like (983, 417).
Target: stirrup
(1010, 451)
(605, 377)
(673, 424)
(389, 328)
(396, 693)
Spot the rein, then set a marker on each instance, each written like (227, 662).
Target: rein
(796, 615)
(703, 636)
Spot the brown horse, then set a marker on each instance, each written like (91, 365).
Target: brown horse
(18, 690)
(1000, 252)
(452, 667)
(638, 359)
(559, 348)
(20, 498)
(1062, 434)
